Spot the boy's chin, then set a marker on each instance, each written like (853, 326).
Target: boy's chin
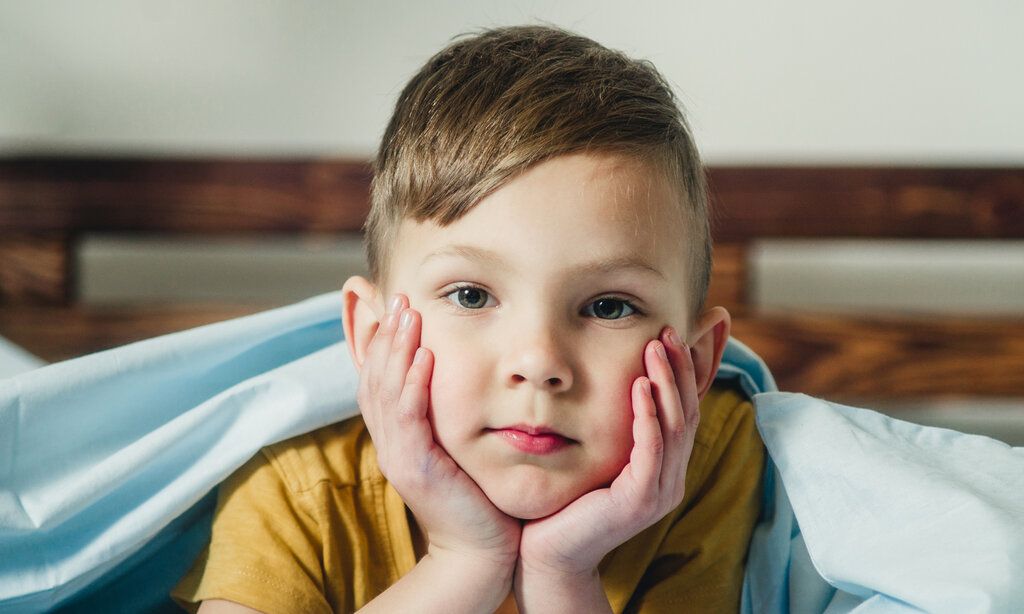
(529, 506)
(528, 512)
(529, 492)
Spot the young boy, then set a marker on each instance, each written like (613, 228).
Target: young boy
(529, 432)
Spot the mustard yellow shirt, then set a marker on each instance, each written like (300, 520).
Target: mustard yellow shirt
(311, 525)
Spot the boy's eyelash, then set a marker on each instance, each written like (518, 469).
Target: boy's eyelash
(445, 293)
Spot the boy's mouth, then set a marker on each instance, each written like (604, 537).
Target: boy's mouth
(533, 439)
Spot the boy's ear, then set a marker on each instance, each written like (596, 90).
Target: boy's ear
(707, 344)
(361, 312)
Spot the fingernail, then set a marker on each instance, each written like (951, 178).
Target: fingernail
(406, 319)
(395, 304)
(420, 356)
(660, 349)
(674, 338)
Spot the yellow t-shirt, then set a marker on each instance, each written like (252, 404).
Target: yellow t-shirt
(311, 525)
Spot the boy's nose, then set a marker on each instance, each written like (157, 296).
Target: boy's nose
(552, 383)
(542, 367)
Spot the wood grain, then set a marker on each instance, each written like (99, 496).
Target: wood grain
(888, 357)
(72, 195)
(35, 269)
(950, 203)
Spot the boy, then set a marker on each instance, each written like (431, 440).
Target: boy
(529, 432)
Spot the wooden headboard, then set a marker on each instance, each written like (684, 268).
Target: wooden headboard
(48, 204)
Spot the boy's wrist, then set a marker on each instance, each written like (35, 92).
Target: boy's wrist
(479, 563)
(487, 561)
(490, 580)
(446, 582)
(539, 591)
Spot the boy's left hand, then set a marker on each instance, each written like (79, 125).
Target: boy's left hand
(569, 544)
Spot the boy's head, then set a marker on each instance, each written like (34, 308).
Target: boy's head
(487, 108)
(539, 200)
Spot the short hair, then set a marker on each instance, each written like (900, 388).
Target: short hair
(492, 104)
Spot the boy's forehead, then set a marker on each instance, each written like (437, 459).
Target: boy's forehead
(571, 207)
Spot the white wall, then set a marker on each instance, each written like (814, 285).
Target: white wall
(806, 81)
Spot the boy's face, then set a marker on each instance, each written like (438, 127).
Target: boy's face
(544, 334)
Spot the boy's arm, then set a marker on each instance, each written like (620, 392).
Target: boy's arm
(450, 584)
(446, 583)
(579, 593)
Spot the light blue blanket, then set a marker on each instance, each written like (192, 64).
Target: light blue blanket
(109, 464)
(14, 360)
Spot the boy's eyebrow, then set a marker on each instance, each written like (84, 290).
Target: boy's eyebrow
(471, 252)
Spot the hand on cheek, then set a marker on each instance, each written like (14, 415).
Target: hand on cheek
(460, 522)
(573, 541)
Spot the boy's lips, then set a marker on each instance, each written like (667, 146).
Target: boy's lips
(533, 439)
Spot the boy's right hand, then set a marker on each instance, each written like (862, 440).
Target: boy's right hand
(394, 392)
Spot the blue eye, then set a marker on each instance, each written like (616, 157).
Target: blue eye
(605, 308)
(609, 308)
(470, 297)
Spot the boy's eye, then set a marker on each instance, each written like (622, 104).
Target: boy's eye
(470, 297)
(606, 308)
(609, 308)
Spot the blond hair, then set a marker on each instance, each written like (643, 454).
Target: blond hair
(490, 105)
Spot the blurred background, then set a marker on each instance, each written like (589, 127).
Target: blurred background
(165, 165)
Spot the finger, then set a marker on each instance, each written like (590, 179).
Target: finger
(685, 392)
(681, 358)
(380, 344)
(413, 436)
(670, 412)
(403, 346)
(373, 370)
(645, 460)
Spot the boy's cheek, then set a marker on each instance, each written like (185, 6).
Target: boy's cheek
(635, 364)
(451, 376)
(432, 334)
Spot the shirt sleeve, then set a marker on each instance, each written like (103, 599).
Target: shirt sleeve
(264, 549)
(699, 565)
